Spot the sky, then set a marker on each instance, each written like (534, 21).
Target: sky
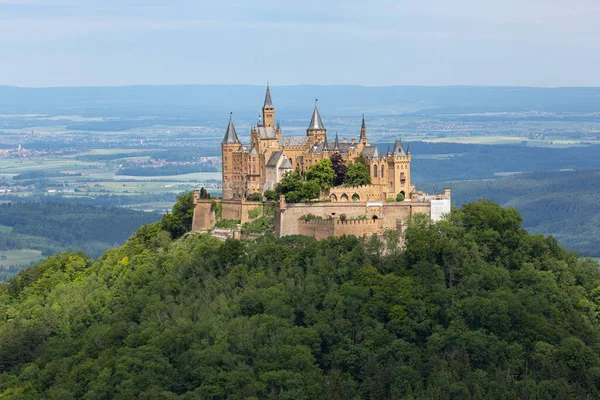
(373, 43)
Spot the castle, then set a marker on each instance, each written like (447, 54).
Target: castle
(252, 169)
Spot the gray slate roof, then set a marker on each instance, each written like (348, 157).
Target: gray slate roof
(315, 122)
(268, 101)
(398, 149)
(293, 141)
(286, 164)
(266, 133)
(275, 156)
(341, 147)
(230, 134)
(370, 151)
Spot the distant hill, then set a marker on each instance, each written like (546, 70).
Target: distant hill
(50, 227)
(203, 101)
(563, 204)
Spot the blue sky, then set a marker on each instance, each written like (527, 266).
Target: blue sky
(421, 42)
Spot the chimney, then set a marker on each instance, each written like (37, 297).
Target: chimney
(447, 193)
(345, 139)
(353, 141)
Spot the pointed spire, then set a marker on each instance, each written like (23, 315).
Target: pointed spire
(408, 148)
(230, 134)
(388, 151)
(315, 122)
(325, 144)
(336, 144)
(363, 131)
(278, 126)
(268, 101)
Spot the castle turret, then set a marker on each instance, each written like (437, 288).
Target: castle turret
(229, 144)
(268, 110)
(316, 129)
(399, 170)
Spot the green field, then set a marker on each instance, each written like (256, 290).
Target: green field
(5, 229)
(19, 257)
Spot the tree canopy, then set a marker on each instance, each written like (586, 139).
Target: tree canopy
(322, 173)
(358, 174)
(473, 307)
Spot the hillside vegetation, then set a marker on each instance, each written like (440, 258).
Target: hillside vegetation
(563, 204)
(473, 308)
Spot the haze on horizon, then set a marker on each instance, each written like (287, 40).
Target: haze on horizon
(380, 43)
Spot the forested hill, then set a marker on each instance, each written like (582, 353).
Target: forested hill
(473, 308)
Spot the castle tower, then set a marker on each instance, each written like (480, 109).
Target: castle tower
(315, 129)
(363, 133)
(268, 111)
(230, 144)
(398, 177)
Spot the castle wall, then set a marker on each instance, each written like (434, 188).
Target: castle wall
(379, 216)
(319, 229)
(357, 227)
(204, 217)
(344, 194)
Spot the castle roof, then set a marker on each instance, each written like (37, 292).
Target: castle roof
(286, 164)
(230, 134)
(398, 149)
(293, 141)
(315, 122)
(266, 132)
(274, 159)
(370, 151)
(336, 146)
(268, 101)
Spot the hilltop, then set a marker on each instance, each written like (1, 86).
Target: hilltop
(473, 307)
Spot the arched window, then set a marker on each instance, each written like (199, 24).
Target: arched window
(344, 197)
(375, 171)
(382, 172)
(355, 197)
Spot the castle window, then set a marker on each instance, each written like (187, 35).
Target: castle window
(375, 171)
(382, 172)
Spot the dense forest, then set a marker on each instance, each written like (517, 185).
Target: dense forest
(56, 226)
(473, 307)
(564, 204)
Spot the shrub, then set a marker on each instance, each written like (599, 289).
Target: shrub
(270, 194)
(254, 197)
(390, 199)
(259, 225)
(343, 217)
(254, 213)
(227, 223)
(400, 197)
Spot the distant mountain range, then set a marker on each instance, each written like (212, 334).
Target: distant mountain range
(245, 100)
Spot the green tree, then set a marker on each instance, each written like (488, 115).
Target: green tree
(179, 221)
(291, 182)
(358, 174)
(311, 190)
(270, 195)
(322, 173)
(400, 197)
